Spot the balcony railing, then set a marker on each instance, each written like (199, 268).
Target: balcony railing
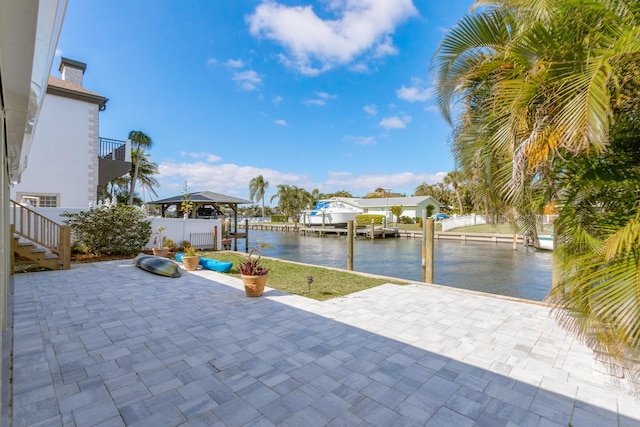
(114, 150)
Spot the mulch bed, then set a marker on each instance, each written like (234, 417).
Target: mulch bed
(24, 265)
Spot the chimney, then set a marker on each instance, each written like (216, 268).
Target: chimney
(72, 71)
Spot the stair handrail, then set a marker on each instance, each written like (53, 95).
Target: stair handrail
(43, 231)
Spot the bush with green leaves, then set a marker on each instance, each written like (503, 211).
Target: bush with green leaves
(406, 220)
(115, 230)
(365, 219)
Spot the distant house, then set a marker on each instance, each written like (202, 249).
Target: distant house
(411, 206)
(68, 162)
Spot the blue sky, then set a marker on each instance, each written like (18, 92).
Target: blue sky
(327, 94)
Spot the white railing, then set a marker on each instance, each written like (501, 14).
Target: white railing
(462, 221)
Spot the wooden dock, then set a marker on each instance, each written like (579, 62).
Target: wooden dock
(386, 232)
(378, 232)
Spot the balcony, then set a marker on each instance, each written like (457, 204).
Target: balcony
(114, 159)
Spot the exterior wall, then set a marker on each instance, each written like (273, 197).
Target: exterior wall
(5, 244)
(64, 155)
(6, 280)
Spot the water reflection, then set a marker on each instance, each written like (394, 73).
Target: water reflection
(479, 266)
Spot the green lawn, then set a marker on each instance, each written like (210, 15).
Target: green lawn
(292, 277)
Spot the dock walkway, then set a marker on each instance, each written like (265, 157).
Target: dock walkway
(387, 232)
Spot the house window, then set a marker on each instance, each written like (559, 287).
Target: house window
(40, 200)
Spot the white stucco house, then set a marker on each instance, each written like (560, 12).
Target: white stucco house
(413, 206)
(68, 162)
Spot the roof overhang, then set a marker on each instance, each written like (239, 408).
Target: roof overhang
(29, 31)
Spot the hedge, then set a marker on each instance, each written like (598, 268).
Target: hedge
(365, 219)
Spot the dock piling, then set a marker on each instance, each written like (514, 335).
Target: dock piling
(350, 238)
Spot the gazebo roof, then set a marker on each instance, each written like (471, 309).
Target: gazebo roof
(202, 197)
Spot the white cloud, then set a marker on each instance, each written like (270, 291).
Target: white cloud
(370, 109)
(360, 140)
(227, 178)
(281, 122)
(325, 95)
(414, 93)
(315, 102)
(211, 61)
(234, 179)
(385, 48)
(58, 52)
(208, 156)
(322, 99)
(361, 184)
(395, 122)
(277, 100)
(314, 45)
(235, 63)
(247, 80)
(359, 68)
(432, 109)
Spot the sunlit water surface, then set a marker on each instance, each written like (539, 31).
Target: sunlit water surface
(479, 266)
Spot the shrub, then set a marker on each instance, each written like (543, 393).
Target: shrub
(169, 243)
(279, 218)
(406, 220)
(115, 230)
(365, 219)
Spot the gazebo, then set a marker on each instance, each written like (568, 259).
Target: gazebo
(206, 204)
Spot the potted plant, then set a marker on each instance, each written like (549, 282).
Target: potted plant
(253, 274)
(160, 250)
(190, 259)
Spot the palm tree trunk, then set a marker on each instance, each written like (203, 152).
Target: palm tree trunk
(133, 180)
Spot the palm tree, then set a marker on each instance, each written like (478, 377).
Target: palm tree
(119, 188)
(455, 178)
(257, 187)
(549, 98)
(314, 196)
(139, 142)
(144, 169)
(291, 200)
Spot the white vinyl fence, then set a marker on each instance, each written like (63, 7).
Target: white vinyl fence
(462, 221)
(199, 232)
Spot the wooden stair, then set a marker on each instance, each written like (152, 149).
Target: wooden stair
(37, 254)
(38, 238)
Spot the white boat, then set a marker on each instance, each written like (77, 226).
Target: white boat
(332, 213)
(545, 241)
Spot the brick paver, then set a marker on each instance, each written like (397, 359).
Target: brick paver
(107, 344)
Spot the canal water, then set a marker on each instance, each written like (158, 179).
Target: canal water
(480, 266)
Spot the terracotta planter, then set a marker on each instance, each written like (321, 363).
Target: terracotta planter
(254, 285)
(162, 252)
(191, 262)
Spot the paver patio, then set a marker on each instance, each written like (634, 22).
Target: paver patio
(108, 344)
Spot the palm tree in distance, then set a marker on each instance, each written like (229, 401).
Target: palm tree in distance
(139, 142)
(455, 178)
(146, 169)
(257, 187)
(291, 200)
(118, 188)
